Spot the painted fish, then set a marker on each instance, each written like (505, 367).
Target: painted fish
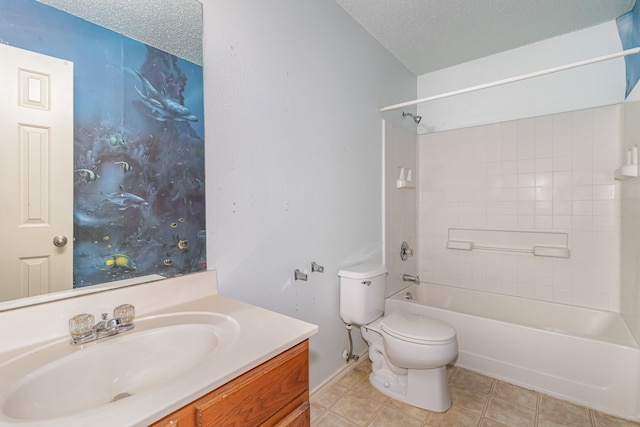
(121, 261)
(183, 244)
(161, 105)
(124, 166)
(124, 200)
(88, 174)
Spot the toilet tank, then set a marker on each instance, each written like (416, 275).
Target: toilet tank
(362, 288)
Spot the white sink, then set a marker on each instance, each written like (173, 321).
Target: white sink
(58, 379)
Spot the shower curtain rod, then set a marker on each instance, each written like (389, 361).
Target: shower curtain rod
(631, 51)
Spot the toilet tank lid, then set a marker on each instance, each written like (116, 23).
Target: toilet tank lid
(363, 271)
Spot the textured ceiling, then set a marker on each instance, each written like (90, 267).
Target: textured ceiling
(425, 35)
(428, 35)
(174, 26)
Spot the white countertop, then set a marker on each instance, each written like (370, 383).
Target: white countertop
(262, 335)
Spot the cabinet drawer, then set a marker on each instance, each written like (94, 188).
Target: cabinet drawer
(261, 394)
(300, 417)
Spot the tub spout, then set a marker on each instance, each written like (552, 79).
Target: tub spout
(410, 278)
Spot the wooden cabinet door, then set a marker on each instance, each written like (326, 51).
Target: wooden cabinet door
(275, 393)
(265, 396)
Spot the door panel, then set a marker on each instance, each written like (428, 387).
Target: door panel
(36, 151)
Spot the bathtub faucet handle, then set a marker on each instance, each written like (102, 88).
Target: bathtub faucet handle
(410, 278)
(405, 251)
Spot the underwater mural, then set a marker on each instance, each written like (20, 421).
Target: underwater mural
(629, 31)
(139, 186)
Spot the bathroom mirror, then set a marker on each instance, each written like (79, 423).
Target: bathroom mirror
(138, 168)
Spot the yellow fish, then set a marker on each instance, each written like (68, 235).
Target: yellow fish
(120, 260)
(183, 244)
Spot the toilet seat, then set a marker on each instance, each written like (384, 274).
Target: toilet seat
(417, 329)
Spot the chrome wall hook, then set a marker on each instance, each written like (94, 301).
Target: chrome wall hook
(316, 268)
(299, 275)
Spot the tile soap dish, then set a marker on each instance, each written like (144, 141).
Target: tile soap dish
(626, 172)
(630, 168)
(405, 179)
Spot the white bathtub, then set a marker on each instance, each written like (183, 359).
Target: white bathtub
(585, 356)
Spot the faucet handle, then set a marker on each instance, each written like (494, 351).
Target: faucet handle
(81, 324)
(405, 251)
(126, 312)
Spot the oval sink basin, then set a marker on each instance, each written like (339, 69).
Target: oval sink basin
(60, 379)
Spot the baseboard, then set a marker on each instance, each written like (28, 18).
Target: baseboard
(340, 373)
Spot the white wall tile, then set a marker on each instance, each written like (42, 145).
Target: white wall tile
(546, 173)
(561, 163)
(543, 222)
(544, 164)
(604, 192)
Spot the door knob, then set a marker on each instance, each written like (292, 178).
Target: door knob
(60, 241)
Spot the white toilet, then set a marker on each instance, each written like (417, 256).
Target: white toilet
(408, 351)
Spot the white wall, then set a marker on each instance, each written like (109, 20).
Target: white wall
(294, 155)
(590, 86)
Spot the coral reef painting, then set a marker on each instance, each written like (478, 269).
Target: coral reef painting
(139, 195)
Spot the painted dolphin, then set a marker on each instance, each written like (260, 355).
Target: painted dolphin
(124, 200)
(162, 106)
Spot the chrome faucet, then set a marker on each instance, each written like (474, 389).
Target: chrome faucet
(106, 325)
(83, 330)
(410, 278)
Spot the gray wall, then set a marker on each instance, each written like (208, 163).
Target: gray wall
(294, 156)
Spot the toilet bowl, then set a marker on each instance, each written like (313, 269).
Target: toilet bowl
(409, 352)
(418, 342)
(412, 370)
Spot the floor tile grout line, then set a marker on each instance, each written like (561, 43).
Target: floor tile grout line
(375, 414)
(486, 403)
(538, 408)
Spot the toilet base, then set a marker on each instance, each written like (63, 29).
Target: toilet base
(425, 388)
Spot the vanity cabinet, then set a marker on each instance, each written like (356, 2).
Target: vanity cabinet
(275, 393)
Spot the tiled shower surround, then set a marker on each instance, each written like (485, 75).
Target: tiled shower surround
(552, 173)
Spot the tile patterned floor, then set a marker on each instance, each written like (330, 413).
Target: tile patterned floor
(478, 401)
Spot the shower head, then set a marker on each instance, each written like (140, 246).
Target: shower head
(415, 118)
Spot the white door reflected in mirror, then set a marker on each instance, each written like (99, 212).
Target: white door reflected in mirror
(37, 199)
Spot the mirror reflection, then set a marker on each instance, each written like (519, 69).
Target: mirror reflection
(137, 169)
